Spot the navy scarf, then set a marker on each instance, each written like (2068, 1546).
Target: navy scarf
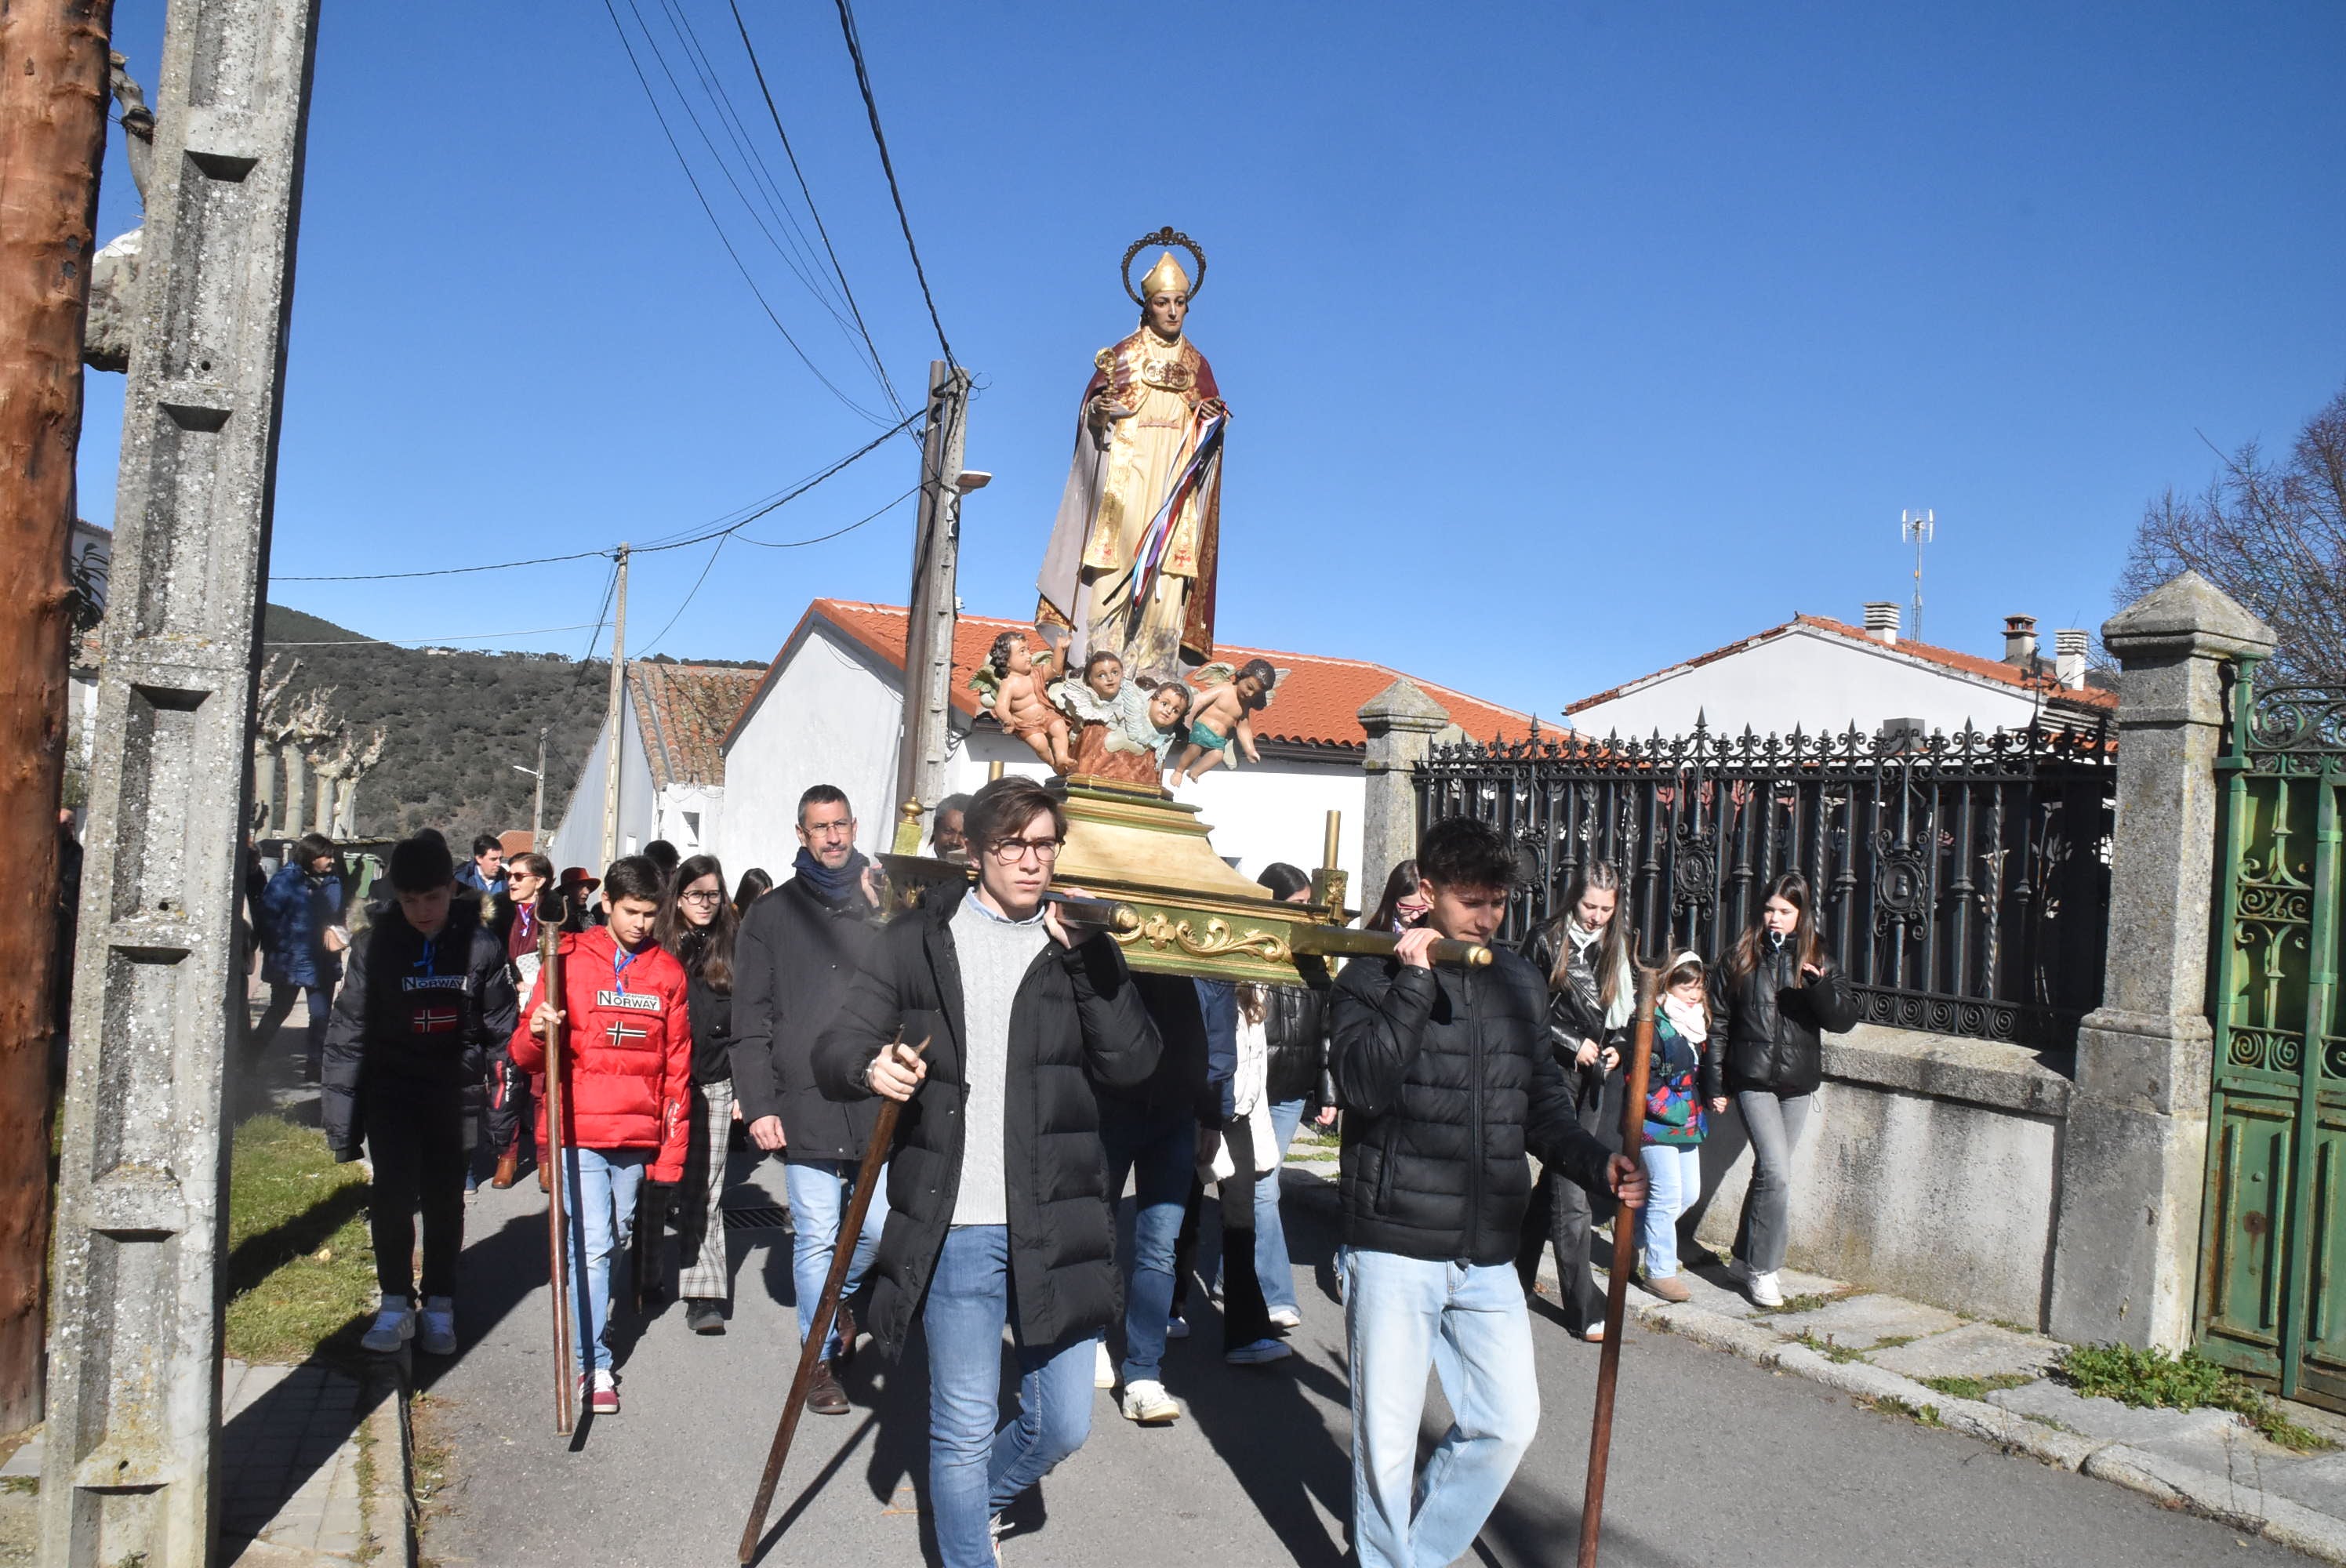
(835, 888)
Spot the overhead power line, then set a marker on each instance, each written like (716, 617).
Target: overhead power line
(401, 642)
(871, 109)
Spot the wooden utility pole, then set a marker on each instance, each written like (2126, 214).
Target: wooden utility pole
(614, 719)
(929, 628)
(53, 74)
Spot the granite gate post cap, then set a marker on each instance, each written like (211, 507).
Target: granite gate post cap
(2186, 615)
(1403, 706)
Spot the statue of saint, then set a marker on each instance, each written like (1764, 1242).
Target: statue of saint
(1130, 567)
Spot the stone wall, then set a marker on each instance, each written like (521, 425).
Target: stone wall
(1931, 1168)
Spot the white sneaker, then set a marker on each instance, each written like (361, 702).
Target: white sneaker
(393, 1326)
(1765, 1289)
(1146, 1403)
(437, 1333)
(1103, 1366)
(1286, 1317)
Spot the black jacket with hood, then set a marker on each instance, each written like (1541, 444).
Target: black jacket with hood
(1772, 1017)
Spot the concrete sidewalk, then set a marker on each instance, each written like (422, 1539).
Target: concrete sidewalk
(313, 1468)
(1903, 1356)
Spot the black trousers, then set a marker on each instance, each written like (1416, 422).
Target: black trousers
(418, 1150)
(1246, 1317)
(1559, 1215)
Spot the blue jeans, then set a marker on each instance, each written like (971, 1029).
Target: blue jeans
(979, 1464)
(1470, 1324)
(1674, 1175)
(819, 1190)
(1271, 1267)
(1159, 1150)
(603, 1187)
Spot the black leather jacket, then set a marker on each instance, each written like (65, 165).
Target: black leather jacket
(1576, 1011)
(1771, 1018)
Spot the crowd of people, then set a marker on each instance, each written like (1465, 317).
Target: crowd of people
(1044, 1078)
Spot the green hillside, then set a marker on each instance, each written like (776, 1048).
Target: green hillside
(458, 723)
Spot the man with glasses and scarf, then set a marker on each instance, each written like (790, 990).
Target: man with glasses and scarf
(998, 1204)
(799, 947)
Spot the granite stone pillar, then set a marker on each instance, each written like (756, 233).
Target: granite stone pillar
(1402, 722)
(2126, 1258)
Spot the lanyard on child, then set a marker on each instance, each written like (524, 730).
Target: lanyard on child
(620, 959)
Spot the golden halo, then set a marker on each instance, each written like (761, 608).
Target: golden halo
(1167, 235)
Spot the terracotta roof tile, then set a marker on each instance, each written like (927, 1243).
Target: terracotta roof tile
(1317, 702)
(685, 711)
(2091, 697)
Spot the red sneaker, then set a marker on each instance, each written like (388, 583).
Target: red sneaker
(601, 1392)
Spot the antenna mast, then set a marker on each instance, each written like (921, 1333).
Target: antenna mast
(1918, 527)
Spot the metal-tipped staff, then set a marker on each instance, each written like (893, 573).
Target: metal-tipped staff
(549, 974)
(1616, 1285)
(850, 1227)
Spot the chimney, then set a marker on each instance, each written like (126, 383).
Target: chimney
(2070, 658)
(2020, 642)
(1881, 622)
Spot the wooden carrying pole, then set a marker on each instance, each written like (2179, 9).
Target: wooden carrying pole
(549, 975)
(851, 1229)
(52, 135)
(1616, 1285)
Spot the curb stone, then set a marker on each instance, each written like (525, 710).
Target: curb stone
(388, 1509)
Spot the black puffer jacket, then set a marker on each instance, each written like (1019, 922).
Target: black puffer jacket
(793, 961)
(1576, 1011)
(1295, 1031)
(417, 1019)
(1076, 1025)
(1447, 1082)
(1771, 1018)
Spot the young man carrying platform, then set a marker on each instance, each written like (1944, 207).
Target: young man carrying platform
(998, 1209)
(1446, 1082)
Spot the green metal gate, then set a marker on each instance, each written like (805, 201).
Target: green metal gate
(2273, 1240)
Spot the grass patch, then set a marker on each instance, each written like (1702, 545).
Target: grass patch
(2147, 1379)
(1829, 1350)
(300, 1269)
(1975, 1388)
(1808, 1303)
(1921, 1415)
(1892, 1342)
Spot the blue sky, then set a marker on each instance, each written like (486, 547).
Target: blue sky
(1563, 341)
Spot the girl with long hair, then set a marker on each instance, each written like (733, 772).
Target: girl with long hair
(1402, 907)
(1592, 995)
(696, 926)
(1772, 998)
(517, 919)
(755, 883)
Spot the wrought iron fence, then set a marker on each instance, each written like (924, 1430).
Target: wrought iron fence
(1963, 879)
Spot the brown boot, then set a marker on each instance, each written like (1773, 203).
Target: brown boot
(544, 1179)
(844, 1325)
(508, 1170)
(1669, 1288)
(824, 1395)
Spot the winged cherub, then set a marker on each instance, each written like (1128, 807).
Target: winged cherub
(1010, 684)
(1223, 714)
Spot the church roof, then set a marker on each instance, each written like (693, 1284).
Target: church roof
(1317, 702)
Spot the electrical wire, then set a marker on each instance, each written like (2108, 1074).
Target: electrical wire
(871, 109)
(706, 568)
(775, 114)
(635, 65)
(405, 642)
(819, 538)
(437, 571)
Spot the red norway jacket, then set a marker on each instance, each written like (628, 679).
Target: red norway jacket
(627, 1050)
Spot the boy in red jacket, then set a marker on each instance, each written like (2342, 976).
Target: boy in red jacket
(626, 1080)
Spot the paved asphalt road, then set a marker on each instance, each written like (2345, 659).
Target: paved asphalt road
(1714, 1461)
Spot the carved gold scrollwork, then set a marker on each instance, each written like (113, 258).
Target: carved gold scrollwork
(1215, 941)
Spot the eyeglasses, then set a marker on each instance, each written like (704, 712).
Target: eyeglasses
(709, 897)
(831, 830)
(1010, 851)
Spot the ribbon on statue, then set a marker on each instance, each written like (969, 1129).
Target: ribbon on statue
(1148, 556)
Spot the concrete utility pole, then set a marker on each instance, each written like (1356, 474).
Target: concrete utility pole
(615, 719)
(929, 628)
(52, 137)
(134, 1419)
(537, 792)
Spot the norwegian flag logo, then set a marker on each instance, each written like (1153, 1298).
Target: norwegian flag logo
(437, 1019)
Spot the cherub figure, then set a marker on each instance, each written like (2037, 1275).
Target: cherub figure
(1167, 719)
(1222, 713)
(1011, 684)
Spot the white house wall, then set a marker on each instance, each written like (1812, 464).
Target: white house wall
(827, 717)
(1814, 680)
(578, 839)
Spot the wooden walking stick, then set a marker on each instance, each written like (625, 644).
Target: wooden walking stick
(850, 1227)
(549, 974)
(1616, 1284)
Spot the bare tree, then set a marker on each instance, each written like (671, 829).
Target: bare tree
(2271, 534)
